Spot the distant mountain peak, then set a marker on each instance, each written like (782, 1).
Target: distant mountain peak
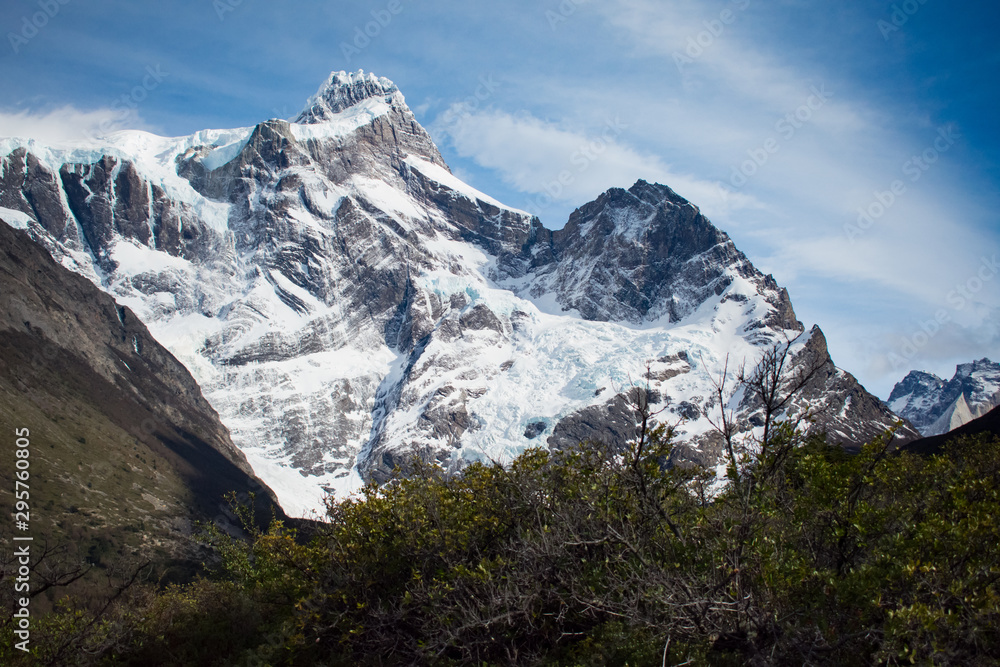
(977, 366)
(343, 90)
(936, 406)
(915, 381)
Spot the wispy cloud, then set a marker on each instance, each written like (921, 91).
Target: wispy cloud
(556, 164)
(68, 124)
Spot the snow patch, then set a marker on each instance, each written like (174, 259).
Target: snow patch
(15, 219)
(441, 175)
(344, 123)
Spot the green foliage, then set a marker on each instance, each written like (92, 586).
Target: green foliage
(497, 564)
(599, 557)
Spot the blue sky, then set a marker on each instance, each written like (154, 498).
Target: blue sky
(783, 120)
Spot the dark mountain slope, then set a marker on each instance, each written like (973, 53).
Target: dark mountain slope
(126, 454)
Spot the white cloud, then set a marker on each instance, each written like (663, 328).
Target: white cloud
(713, 56)
(553, 163)
(67, 124)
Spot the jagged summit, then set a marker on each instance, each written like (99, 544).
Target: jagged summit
(980, 366)
(654, 193)
(343, 90)
(936, 406)
(636, 214)
(647, 254)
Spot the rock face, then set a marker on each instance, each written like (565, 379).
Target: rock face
(987, 426)
(834, 401)
(646, 254)
(346, 303)
(936, 406)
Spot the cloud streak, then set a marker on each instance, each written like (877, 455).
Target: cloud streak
(67, 124)
(555, 165)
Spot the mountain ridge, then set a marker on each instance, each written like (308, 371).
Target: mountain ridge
(346, 302)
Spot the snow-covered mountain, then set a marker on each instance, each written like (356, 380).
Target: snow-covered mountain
(344, 301)
(936, 406)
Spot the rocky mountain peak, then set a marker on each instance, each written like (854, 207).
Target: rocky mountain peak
(915, 382)
(979, 366)
(936, 406)
(645, 213)
(645, 254)
(343, 90)
(656, 193)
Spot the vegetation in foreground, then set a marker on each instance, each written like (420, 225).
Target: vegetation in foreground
(595, 557)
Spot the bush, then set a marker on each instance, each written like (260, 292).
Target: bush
(592, 557)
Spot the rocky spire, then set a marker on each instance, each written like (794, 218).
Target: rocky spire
(343, 90)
